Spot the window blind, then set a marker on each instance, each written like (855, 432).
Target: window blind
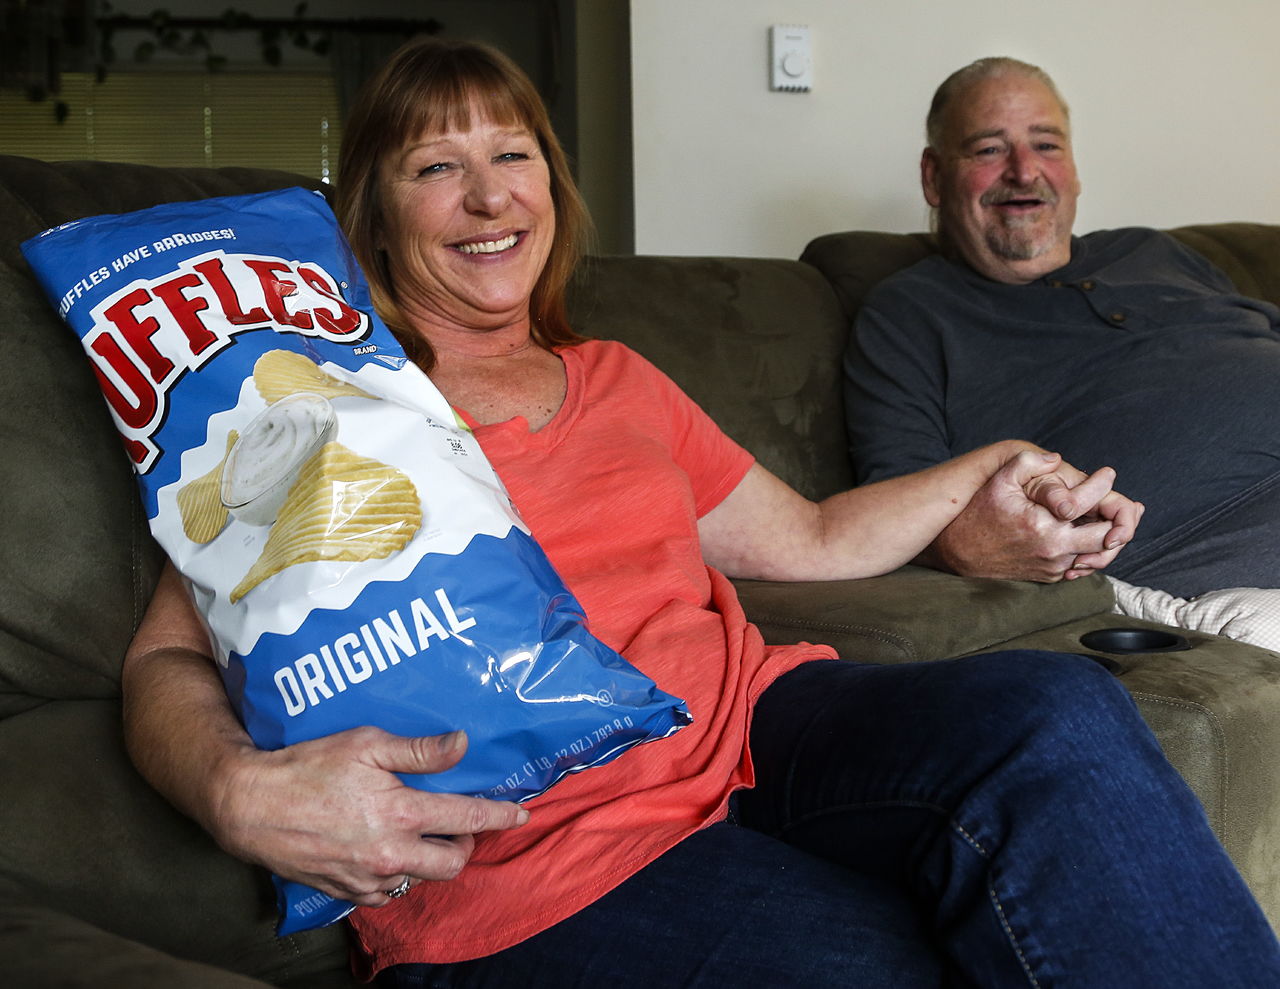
(286, 120)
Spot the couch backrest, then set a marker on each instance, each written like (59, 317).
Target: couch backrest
(756, 342)
(1249, 253)
(78, 560)
(855, 261)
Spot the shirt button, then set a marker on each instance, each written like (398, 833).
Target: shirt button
(1117, 317)
(1088, 286)
(1055, 284)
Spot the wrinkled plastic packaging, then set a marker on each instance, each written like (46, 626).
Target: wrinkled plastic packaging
(352, 552)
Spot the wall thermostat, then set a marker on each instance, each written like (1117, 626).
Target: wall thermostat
(790, 58)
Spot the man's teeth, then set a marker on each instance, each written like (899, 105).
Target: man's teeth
(488, 246)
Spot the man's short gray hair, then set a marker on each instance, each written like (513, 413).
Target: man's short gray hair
(983, 68)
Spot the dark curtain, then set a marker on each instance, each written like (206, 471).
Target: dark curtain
(41, 39)
(356, 55)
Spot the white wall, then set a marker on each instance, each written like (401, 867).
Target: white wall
(1175, 105)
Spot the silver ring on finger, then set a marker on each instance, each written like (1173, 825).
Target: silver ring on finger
(400, 890)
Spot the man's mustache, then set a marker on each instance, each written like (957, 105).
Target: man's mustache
(1005, 194)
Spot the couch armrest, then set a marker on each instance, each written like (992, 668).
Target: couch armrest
(44, 947)
(1213, 709)
(915, 613)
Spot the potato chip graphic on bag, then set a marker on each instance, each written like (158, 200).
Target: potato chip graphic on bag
(279, 373)
(200, 502)
(341, 507)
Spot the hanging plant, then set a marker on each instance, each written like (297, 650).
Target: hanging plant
(191, 38)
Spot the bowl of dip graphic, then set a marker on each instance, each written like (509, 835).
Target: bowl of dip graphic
(266, 459)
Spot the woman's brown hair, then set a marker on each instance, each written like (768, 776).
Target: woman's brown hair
(431, 86)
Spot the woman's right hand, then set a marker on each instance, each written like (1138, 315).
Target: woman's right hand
(331, 813)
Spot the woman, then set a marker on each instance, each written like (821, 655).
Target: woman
(821, 822)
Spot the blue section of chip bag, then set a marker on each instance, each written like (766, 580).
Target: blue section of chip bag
(462, 624)
(522, 674)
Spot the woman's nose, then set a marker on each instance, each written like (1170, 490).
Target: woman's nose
(487, 192)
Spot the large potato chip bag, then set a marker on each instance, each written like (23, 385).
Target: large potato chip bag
(354, 555)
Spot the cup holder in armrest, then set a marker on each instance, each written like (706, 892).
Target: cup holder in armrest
(1128, 640)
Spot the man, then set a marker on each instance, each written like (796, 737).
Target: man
(1120, 347)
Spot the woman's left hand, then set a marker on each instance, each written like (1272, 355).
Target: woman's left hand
(333, 814)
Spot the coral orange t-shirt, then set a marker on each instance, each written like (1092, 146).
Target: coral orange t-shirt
(612, 488)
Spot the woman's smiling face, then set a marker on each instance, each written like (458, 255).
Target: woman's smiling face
(468, 223)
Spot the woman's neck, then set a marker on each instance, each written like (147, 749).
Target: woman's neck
(463, 345)
(497, 375)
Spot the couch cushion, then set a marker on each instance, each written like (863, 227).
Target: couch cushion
(43, 947)
(1247, 252)
(915, 614)
(755, 342)
(856, 261)
(77, 551)
(81, 833)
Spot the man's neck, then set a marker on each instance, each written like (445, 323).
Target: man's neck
(1014, 272)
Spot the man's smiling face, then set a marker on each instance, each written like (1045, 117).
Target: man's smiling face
(1004, 180)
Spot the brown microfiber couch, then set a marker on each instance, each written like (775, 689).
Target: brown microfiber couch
(102, 884)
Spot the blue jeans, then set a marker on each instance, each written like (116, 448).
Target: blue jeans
(999, 820)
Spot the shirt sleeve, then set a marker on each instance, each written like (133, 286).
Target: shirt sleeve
(714, 463)
(895, 394)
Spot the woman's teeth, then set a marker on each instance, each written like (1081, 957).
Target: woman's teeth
(488, 246)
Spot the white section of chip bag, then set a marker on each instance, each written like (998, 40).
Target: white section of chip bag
(456, 487)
